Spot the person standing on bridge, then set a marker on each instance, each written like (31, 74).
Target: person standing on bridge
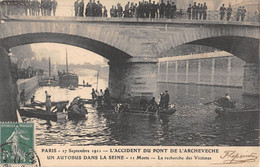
(54, 5)
(173, 10)
(204, 8)
(222, 12)
(76, 7)
(81, 8)
(162, 9)
(229, 12)
(168, 10)
(189, 12)
(194, 11)
(243, 13)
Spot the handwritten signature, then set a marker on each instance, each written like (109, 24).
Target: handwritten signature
(233, 157)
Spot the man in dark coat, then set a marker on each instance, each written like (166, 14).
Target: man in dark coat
(81, 8)
(166, 99)
(222, 12)
(162, 9)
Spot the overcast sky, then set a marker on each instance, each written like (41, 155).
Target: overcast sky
(57, 53)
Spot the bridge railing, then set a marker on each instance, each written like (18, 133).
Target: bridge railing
(68, 10)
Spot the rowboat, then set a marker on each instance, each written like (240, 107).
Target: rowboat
(42, 114)
(168, 111)
(75, 116)
(37, 113)
(43, 103)
(236, 112)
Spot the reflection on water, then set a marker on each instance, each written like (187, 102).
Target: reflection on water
(193, 123)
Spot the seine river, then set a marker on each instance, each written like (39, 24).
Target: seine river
(194, 124)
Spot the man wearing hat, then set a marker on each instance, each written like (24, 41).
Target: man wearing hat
(166, 99)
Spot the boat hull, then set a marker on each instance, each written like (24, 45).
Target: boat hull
(65, 80)
(42, 114)
(37, 113)
(139, 111)
(236, 112)
(74, 116)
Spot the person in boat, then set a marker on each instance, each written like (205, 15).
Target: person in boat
(48, 104)
(166, 99)
(83, 110)
(83, 82)
(107, 100)
(99, 97)
(228, 97)
(78, 108)
(161, 103)
(46, 95)
(225, 102)
(94, 96)
(153, 106)
(33, 100)
(22, 96)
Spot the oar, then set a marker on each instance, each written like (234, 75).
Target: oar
(209, 102)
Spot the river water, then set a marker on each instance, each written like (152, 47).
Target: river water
(194, 124)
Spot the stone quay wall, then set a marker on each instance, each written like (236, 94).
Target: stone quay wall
(29, 85)
(214, 69)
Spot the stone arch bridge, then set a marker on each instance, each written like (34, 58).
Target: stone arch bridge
(132, 47)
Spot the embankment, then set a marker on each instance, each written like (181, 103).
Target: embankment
(29, 85)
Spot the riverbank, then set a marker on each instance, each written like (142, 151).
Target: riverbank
(30, 86)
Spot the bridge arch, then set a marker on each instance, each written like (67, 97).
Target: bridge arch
(245, 48)
(107, 51)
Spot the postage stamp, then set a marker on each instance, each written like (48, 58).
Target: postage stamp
(17, 144)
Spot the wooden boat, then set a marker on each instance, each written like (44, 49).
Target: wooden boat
(236, 111)
(37, 113)
(75, 116)
(88, 85)
(54, 103)
(42, 114)
(71, 87)
(49, 83)
(169, 111)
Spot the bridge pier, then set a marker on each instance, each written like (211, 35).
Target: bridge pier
(136, 77)
(251, 80)
(8, 89)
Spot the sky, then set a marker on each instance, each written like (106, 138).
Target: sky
(57, 53)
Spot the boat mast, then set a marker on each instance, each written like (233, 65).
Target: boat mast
(67, 68)
(49, 67)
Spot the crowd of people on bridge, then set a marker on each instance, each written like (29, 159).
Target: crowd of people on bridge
(29, 7)
(240, 14)
(143, 9)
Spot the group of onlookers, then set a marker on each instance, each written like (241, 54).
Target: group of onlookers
(143, 9)
(93, 9)
(29, 7)
(240, 14)
(197, 12)
(101, 98)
